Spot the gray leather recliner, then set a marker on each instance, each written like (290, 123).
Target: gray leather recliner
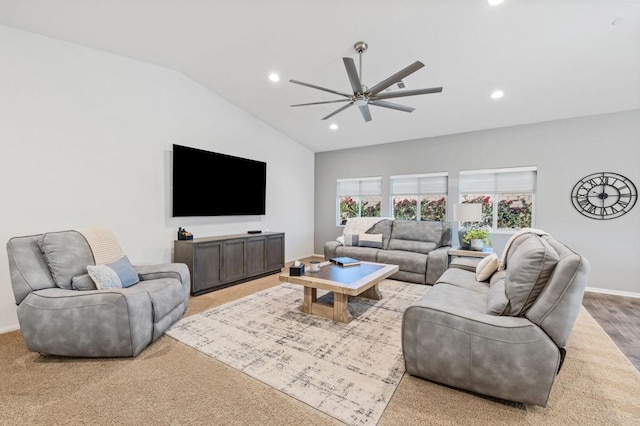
(57, 317)
(504, 338)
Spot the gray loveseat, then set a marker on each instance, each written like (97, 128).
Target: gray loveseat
(60, 314)
(418, 248)
(506, 337)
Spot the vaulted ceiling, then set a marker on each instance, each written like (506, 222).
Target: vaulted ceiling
(553, 59)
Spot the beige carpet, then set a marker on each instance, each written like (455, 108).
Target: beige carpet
(348, 371)
(170, 383)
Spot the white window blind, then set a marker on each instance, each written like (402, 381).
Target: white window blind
(516, 180)
(359, 187)
(419, 184)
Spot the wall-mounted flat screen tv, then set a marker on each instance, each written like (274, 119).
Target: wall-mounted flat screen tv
(208, 183)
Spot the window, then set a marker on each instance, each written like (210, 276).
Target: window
(507, 196)
(428, 191)
(361, 197)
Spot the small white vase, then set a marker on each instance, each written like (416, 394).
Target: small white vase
(477, 244)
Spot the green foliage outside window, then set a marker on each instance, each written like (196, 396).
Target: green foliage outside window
(371, 208)
(431, 209)
(406, 209)
(515, 213)
(348, 209)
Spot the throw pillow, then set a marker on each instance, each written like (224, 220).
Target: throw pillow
(370, 240)
(118, 274)
(487, 267)
(350, 239)
(104, 277)
(127, 274)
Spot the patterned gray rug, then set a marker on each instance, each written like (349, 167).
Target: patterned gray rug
(348, 371)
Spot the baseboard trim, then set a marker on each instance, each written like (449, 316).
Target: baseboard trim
(613, 292)
(10, 328)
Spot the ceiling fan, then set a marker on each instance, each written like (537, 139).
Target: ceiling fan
(363, 96)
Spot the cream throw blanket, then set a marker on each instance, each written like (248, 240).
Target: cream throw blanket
(521, 232)
(359, 225)
(103, 244)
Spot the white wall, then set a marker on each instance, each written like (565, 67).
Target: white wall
(85, 140)
(564, 151)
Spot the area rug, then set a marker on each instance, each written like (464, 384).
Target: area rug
(348, 371)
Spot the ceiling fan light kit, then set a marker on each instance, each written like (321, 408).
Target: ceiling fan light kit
(363, 96)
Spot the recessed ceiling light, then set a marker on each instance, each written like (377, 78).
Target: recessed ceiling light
(274, 77)
(333, 126)
(497, 94)
(494, 2)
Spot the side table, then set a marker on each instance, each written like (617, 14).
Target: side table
(460, 252)
(467, 259)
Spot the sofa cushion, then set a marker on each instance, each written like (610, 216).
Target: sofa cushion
(497, 301)
(487, 267)
(366, 254)
(165, 295)
(412, 230)
(409, 245)
(67, 254)
(406, 260)
(370, 240)
(528, 271)
(462, 278)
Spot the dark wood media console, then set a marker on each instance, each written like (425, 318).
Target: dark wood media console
(226, 260)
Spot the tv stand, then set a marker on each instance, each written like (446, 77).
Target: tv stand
(222, 261)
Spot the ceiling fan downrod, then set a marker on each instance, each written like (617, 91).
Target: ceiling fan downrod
(360, 47)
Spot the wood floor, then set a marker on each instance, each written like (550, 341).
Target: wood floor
(620, 318)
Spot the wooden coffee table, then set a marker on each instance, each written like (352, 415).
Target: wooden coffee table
(344, 281)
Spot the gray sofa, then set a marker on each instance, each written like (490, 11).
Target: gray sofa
(506, 337)
(418, 248)
(59, 313)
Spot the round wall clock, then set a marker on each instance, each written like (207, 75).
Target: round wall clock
(604, 195)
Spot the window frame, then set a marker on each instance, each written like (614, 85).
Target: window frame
(496, 192)
(359, 194)
(420, 194)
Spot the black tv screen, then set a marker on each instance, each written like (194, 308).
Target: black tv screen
(207, 183)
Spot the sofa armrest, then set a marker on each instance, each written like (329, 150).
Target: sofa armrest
(179, 271)
(437, 263)
(466, 263)
(458, 344)
(93, 323)
(330, 249)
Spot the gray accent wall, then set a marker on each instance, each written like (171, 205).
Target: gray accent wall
(564, 151)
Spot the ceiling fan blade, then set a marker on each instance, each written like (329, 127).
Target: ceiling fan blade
(338, 110)
(366, 114)
(392, 106)
(313, 86)
(402, 93)
(350, 65)
(395, 78)
(322, 102)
